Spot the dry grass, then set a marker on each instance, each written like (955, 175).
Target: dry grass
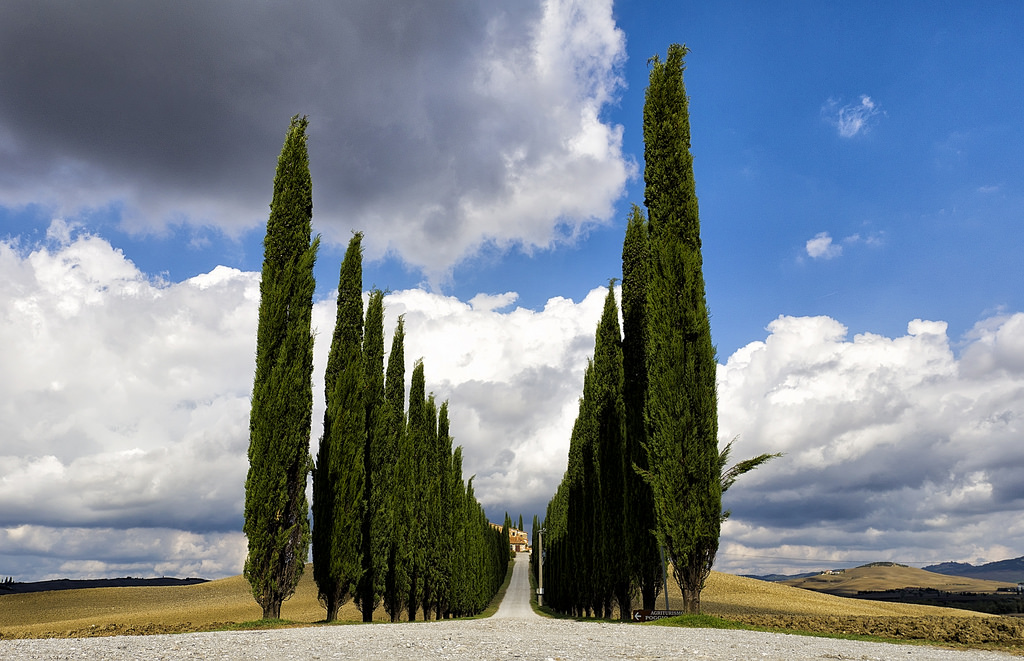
(782, 607)
(137, 610)
(154, 609)
(728, 596)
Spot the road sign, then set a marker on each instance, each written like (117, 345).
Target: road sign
(651, 615)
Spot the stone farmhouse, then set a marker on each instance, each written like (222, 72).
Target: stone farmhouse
(519, 541)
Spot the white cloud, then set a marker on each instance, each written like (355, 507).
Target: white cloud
(125, 400)
(489, 302)
(895, 435)
(513, 379)
(125, 407)
(851, 119)
(73, 552)
(821, 247)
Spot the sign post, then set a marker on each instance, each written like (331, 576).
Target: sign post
(540, 567)
(652, 615)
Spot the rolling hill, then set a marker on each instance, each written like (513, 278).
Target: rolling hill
(878, 577)
(1011, 570)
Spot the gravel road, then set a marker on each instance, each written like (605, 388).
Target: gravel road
(514, 632)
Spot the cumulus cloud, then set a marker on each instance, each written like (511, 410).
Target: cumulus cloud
(443, 126)
(896, 449)
(513, 379)
(125, 399)
(125, 402)
(853, 118)
(821, 247)
(125, 405)
(74, 552)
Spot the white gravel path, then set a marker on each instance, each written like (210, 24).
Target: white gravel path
(515, 632)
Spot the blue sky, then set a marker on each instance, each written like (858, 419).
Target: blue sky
(858, 169)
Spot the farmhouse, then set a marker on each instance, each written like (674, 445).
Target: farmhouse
(519, 541)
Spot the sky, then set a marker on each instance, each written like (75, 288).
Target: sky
(861, 193)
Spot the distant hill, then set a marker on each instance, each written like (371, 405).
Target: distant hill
(1011, 571)
(74, 584)
(778, 578)
(878, 577)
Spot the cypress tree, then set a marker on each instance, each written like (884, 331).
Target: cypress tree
(338, 510)
(582, 487)
(276, 510)
(378, 459)
(396, 586)
(459, 579)
(416, 435)
(681, 409)
(429, 506)
(611, 459)
(444, 542)
(641, 543)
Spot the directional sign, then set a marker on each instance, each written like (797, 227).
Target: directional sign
(651, 615)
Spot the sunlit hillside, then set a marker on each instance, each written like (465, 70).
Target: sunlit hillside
(891, 577)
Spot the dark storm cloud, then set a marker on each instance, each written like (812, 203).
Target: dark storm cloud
(198, 94)
(179, 110)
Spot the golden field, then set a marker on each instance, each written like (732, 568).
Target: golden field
(216, 604)
(99, 611)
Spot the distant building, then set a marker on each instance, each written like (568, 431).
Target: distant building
(519, 541)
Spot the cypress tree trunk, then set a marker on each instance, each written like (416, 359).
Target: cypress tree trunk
(642, 545)
(276, 511)
(339, 474)
(681, 407)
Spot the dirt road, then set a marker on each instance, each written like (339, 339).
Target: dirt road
(516, 604)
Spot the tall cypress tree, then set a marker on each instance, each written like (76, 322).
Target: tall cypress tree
(581, 489)
(377, 460)
(641, 542)
(276, 510)
(459, 587)
(399, 506)
(681, 408)
(611, 458)
(444, 541)
(339, 473)
(430, 506)
(416, 434)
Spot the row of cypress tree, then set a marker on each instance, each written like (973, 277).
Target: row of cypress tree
(644, 471)
(393, 520)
